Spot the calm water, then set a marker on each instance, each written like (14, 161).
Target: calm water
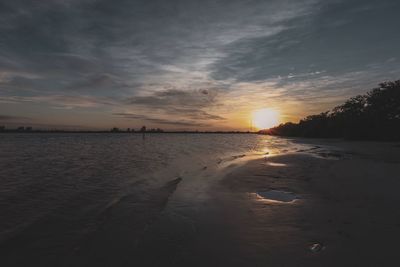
(58, 189)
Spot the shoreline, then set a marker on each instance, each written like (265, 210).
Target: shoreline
(347, 204)
(342, 211)
(346, 214)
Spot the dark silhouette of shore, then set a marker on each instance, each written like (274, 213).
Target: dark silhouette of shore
(373, 116)
(116, 130)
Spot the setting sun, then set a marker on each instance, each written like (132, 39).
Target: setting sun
(265, 118)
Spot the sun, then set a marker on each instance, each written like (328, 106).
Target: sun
(265, 118)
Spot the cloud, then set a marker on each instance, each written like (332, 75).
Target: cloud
(186, 107)
(175, 98)
(318, 43)
(8, 118)
(189, 105)
(192, 59)
(70, 41)
(177, 123)
(62, 101)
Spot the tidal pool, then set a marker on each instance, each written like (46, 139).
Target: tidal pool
(277, 196)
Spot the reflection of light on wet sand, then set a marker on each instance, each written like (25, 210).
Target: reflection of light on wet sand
(276, 196)
(276, 164)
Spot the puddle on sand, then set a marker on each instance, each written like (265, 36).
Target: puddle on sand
(277, 196)
(276, 164)
(316, 247)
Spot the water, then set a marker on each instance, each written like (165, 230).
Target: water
(58, 189)
(277, 196)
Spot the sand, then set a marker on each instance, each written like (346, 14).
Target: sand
(330, 203)
(345, 213)
(348, 204)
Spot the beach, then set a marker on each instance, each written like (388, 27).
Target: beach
(285, 202)
(346, 212)
(207, 133)
(348, 205)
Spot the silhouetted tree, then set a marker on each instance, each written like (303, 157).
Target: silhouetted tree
(375, 115)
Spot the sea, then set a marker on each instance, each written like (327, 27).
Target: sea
(65, 198)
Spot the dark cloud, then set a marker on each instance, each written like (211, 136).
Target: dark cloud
(174, 98)
(188, 105)
(342, 37)
(11, 118)
(65, 42)
(177, 123)
(61, 101)
(186, 58)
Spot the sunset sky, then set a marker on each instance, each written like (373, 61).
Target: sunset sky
(207, 65)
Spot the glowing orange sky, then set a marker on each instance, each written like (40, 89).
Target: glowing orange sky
(189, 64)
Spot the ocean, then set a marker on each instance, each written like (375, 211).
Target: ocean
(61, 195)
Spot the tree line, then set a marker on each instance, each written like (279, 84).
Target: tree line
(373, 116)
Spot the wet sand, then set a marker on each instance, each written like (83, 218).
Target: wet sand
(333, 204)
(346, 212)
(348, 206)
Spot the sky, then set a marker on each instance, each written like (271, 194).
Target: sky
(186, 64)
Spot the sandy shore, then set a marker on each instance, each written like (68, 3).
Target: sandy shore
(346, 209)
(347, 204)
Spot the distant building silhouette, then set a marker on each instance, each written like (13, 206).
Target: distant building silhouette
(115, 130)
(155, 130)
(2, 128)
